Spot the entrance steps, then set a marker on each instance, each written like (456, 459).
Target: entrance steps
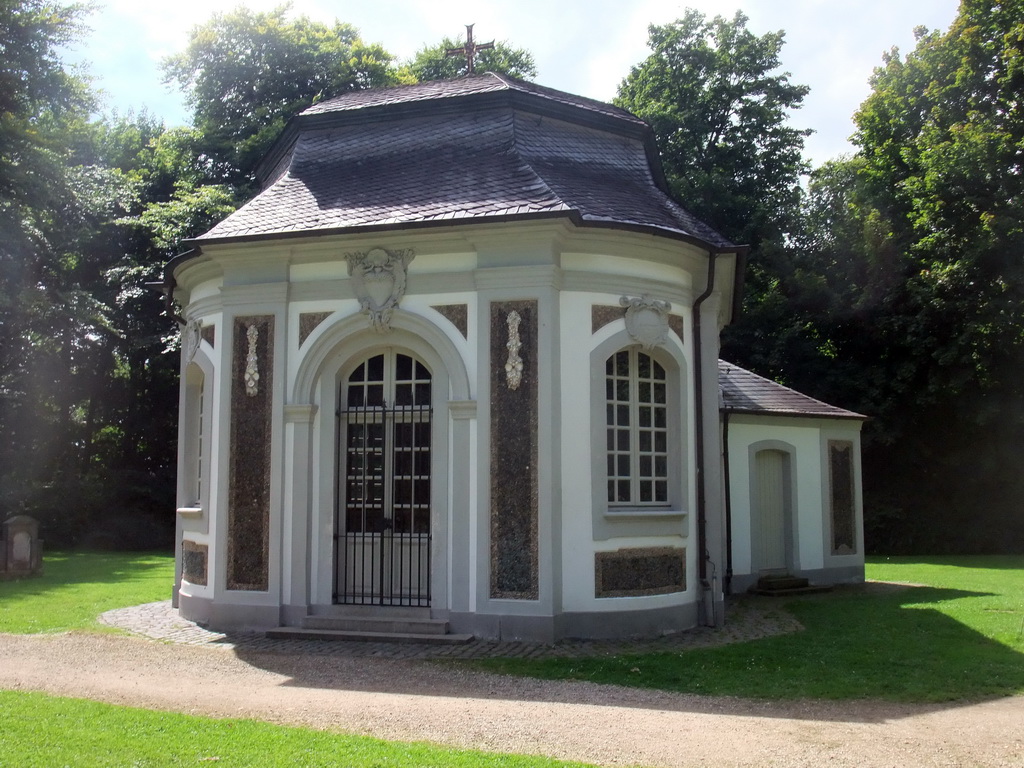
(399, 625)
(784, 585)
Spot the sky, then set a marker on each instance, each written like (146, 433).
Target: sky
(584, 47)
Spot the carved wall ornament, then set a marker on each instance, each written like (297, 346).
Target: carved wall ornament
(514, 365)
(191, 335)
(378, 281)
(252, 374)
(646, 320)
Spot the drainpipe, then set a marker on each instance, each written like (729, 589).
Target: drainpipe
(698, 397)
(728, 502)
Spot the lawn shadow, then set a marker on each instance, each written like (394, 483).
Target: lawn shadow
(891, 660)
(63, 569)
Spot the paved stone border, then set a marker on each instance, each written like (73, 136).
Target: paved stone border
(747, 618)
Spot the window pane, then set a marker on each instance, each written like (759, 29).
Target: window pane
(661, 442)
(645, 466)
(623, 486)
(403, 367)
(659, 417)
(644, 394)
(423, 394)
(622, 465)
(356, 396)
(611, 490)
(623, 440)
(660, 490)
(622, 390)
(661, 466)
(646, 492)
(403, 394)
(422, 372)
(659, 372)
(376, 368)
(659, 393)
(375, 394)
(645, 417)
(611, 465)
(622, 363)
(622, 412)
(643, 366)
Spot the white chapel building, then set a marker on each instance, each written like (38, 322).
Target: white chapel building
(455, 369)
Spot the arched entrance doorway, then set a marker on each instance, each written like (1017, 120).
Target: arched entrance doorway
(382, 526)
(772, 507)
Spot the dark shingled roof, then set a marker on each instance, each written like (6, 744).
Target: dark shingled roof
(483, 147)
(746, 392)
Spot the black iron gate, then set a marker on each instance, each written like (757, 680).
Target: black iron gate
(382, 528)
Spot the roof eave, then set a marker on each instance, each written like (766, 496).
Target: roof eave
(848, 416)
(574, 216)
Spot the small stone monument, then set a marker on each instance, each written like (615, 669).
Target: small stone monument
(21, 550)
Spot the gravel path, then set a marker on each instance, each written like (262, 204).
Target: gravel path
(409, 699)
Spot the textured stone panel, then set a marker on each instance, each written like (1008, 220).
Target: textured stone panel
(636, 572)
(457, 315)
(249, 482)
(677, 324)
(513, 450)
(209, 334)
(193, 562)
(840, 469)
(601, 315)
(308, 321)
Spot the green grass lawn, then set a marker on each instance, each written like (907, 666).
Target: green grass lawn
(40, 731)
(77, 587)
(961, 635)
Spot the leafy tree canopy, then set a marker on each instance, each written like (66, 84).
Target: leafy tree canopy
(247, 73)
(719, 105)
(433, 63)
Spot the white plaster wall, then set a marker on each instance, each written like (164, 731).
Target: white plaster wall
(205, 289)
(579, 546)
(804, 436)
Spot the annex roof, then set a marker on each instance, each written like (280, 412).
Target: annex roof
(476, 149)
(745, 392)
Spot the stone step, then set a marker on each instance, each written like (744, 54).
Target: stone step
(303, 633)
(386, 624)
(809, 589)
(781, 582)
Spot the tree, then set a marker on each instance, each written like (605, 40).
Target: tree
(941, 139)
(46, 320)
(433, 63)
(247, 73)
(719, 108)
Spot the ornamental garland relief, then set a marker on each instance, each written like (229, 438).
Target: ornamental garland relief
(252, 374)
(646, 320)
(378, 281)
(191, 334)
(514, 364)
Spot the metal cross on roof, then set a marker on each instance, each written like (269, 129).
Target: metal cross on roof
(469, 50)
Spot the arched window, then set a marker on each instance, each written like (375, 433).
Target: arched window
(637, 440)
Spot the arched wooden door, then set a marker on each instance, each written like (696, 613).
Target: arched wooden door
(382, 530)
(771, 499)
